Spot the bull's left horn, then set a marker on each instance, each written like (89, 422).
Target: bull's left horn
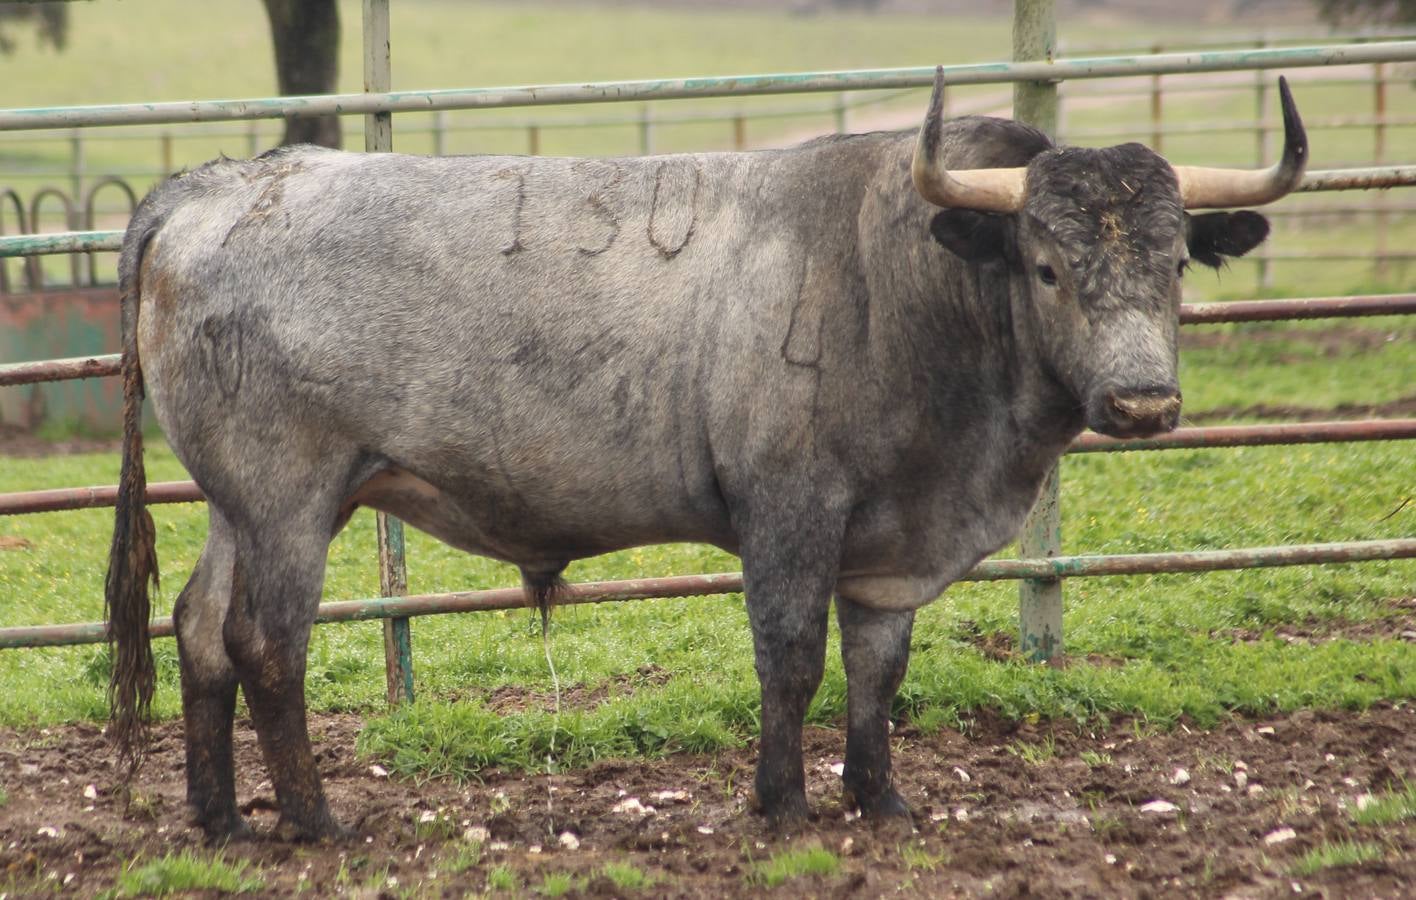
(986, 190)
(1203, 188)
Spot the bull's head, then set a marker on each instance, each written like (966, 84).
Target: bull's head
(1097, 240)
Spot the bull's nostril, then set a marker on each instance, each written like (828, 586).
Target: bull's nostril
(1146, 406)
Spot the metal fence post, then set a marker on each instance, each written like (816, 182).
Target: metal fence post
(840, 111)
(646, 132)
(1039, 599)
(440, 133)
(1261, 138)
(393, 574)
(1157, 104)
(1379, 111)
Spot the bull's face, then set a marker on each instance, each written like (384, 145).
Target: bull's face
(1097, 242)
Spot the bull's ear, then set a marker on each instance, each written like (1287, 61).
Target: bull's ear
(1213, 236)
(972, 236)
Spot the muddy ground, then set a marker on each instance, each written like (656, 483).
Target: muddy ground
(1003, 810)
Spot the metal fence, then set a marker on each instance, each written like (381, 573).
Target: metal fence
(378, 105)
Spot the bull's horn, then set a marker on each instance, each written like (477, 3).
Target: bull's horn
(1202, 188)
(986, 190)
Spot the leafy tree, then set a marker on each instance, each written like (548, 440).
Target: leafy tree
(51, 21)
(1374, 12)
(306, 36)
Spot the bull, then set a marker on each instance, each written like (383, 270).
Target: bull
(851, 363)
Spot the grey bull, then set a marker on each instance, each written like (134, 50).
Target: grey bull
(851, 363)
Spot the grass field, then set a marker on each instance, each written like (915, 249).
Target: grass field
(679, 672)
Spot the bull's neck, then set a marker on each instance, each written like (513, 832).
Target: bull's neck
(964, 332)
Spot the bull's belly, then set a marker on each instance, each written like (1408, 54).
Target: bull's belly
(512, 531)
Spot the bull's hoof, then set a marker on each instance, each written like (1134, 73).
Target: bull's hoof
(784, 814)
(323, 831)
(886, 809)
(225, 829)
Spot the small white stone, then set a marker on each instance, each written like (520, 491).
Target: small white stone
(846, 846)
(1364, 801)
(534, 848)
(1265, 729)
(427, 816)
(1111, 859)
(759, 845)
(378, 771)
(1241, 778)
(1328, 757)
(1180, 777)
(393, 881)
(496, 846)
(963, 776)
(91, 792)
(672, 796)
(569, 841)
(1255, 790)
(704, 829)
(478, 833)
(1279, 836)
(852, 815)
(1351, 782)
(838, 768)
(630, 806)
(1309, 785)
(48, 831)
(1297, 888)
(938, 816)
(1159, 806)
(961, 815)
(68, 877)
(1240, 764)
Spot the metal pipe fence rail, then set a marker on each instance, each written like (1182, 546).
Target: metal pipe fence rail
(378, 104)
(731, 583)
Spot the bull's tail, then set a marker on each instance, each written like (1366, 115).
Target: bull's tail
(132, 559)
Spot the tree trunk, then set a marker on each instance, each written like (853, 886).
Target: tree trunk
(306, 35)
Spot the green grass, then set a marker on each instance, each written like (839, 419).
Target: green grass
(1388, 809)
(787, 865)
(626, 876)
(1332, 855)
(556, 884)
(177, 873)
(918, 858)
(502, 878)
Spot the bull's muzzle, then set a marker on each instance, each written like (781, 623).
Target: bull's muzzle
(1138, 412)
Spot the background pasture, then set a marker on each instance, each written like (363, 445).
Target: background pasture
(658, 677)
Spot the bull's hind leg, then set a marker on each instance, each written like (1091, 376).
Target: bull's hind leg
(209, 686)
(279, 572)
(875, 647)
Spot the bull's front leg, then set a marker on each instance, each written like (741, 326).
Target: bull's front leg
(789, 577)
(875, 647)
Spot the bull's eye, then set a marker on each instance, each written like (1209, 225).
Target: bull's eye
(1047, 275)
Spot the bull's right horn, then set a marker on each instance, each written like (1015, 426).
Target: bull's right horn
(1205, 188)
(986, 190)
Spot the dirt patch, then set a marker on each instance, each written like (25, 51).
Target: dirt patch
(1312, 630)
(1003, 809)
(1335, 341)
(512, 698)
(1402, 408)
(17, 441)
